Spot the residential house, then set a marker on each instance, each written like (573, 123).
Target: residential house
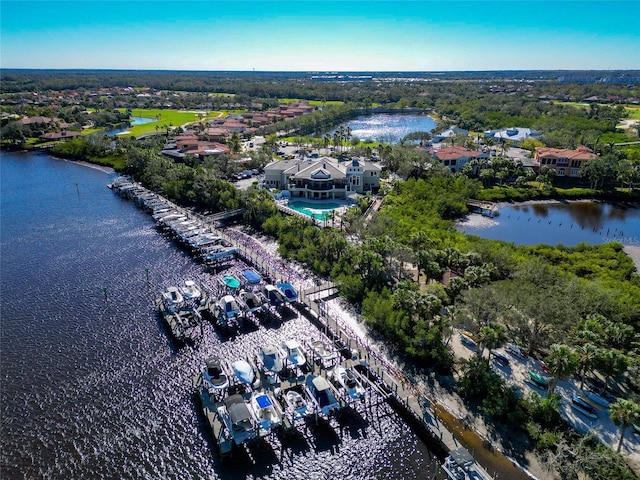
(514, 134)
(456, 157)
(448, 133)
(189, 144)
(63, 135)
(322, 178)
(566, 162)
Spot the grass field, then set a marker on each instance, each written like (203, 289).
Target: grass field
(313, 103)
(632, 110)
(165, 118)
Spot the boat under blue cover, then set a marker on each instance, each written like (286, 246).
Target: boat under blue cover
(251, 277)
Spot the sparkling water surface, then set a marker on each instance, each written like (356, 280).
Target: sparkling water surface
(93, 386)
(388, 128)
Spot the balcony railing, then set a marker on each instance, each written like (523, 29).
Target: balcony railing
(316, 188)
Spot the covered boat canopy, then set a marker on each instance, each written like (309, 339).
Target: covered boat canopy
(251, 277)
(238, 412)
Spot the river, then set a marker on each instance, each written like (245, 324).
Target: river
(93, 386)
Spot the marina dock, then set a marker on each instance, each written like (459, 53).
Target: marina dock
(438, 428)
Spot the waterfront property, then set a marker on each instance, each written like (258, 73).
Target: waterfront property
(322, 178)
(190, 144)
(457, 157)
(564, 161)
(449, 133)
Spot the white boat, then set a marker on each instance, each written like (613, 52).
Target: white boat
(265, 411)
(296, 404)
(190, 291)
(172, 297)
(273, 295)
(218, 252)
(238, 419)
(293, 352)
(348, 381)
(214, 376)
(204, 240)
(252, 300)
(186, 237)
(245, 373)
(460, 465)
(288, 292)
(323, 353)
(323, 394)
(271, 358)
(229, 306)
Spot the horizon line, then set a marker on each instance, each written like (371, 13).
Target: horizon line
(327, 72)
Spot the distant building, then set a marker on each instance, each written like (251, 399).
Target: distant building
(190, 144)
(448, 133)
(64, 135)
(514, 134)
(322, 178)
(455, 158)
(566, 162)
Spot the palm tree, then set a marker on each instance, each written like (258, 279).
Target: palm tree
(326, 140)
(587, 355)
(624, 413)
(491, 336)
(611, 362)
(562, 361)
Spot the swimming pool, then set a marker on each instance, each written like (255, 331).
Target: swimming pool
(318, 210)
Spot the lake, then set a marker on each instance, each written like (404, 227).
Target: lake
(567, 223)
(388, 128)
(134, 121)
(94, 388)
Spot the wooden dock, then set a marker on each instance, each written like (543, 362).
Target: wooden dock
(431, 420)
(485, 208)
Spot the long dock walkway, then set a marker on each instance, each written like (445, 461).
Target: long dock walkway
(415, 404)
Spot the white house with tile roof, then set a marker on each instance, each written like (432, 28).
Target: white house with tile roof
(322, 178)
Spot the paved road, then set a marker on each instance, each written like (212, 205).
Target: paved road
(517, 374)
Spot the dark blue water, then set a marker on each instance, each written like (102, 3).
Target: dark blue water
(388, 128)
(560, 223)
(92, 389)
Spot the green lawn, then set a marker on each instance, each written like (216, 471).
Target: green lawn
(313, 103)
(175, 118)
(634, 112)
(572, 104)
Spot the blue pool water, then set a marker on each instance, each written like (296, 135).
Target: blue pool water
(319, 211)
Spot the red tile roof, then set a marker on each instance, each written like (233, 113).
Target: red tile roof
(452, 153)
(581, 153)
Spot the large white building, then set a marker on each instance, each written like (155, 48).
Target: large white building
(322, 178)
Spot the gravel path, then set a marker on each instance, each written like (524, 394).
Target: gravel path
(634, 253)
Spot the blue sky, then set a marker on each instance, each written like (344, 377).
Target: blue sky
(320, 36)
